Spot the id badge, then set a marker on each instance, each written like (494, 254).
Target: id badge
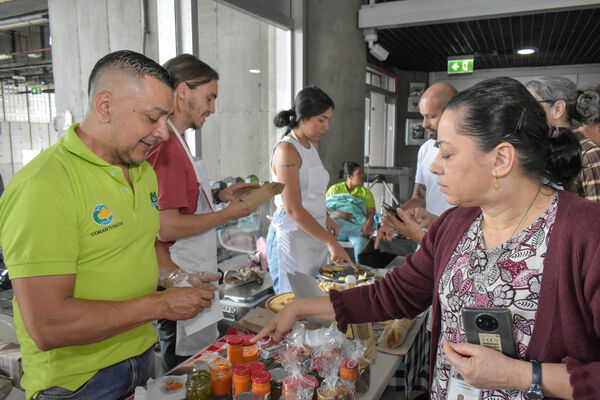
(458, 389)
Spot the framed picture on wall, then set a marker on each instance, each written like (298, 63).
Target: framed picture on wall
(415, 134)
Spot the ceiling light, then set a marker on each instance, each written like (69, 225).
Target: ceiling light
(525, 52)
(34, 55)
(4, 56)
(254, 71)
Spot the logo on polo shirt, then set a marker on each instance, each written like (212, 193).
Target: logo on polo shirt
(102, 215)
(154, 200)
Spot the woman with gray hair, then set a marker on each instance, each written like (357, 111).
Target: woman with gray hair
(589, 105)
(566, 108)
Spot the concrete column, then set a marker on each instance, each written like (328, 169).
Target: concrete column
(82, 32)
(336, 62)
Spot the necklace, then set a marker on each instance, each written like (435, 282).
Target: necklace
(526, 211)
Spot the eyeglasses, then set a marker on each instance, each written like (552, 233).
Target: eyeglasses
(547, 101)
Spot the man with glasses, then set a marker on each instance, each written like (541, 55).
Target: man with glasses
(187, 214)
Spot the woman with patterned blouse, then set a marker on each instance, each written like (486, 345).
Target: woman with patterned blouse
(513, 242)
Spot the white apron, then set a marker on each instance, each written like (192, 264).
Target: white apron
(196, 253)
(296, 249)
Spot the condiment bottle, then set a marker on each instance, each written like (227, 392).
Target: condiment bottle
(317, 367)
(349, 373)
(350, 281)
(241, 378)
(198, 386)
(261, 383)
(277, 375)
(235, 349)
(220, 375)
(250, 350)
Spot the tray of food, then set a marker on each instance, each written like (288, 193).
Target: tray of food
(338, 273)
(277, 302)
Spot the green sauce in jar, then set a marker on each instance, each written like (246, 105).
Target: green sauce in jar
(198, 386)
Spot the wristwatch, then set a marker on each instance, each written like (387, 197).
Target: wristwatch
(535, 392)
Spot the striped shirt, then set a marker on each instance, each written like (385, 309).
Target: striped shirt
(588, 180)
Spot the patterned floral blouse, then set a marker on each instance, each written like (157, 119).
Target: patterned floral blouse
(508, 276)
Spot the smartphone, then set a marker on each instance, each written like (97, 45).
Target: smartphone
(490, 327)
(392, 210)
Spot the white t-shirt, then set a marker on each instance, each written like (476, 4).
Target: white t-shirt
(435, 201)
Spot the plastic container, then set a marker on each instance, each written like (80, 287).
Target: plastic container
(249, 350)
(241, 378)
(235, 349)
(198, 386)
(221, 378)
(261, 383)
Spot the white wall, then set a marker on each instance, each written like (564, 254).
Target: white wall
(582, 75)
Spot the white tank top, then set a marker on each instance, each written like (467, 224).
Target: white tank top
(313, 178)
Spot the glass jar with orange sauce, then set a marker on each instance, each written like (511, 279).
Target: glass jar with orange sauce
(220, 376)
(241, 378)
(249, 350)
(261, 383)
(235, 349)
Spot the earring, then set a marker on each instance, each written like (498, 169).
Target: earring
(496, 184)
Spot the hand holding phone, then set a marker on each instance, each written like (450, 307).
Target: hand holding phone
(490, 327)
(392, 211)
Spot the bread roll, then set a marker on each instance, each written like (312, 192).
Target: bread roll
(395, 333)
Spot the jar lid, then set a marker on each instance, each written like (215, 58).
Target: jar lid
(277, 374)
(247, 341)
(256, 366)
(349, 363)
(261, 377)
(234, 340)
(240, 369)
(248, 396)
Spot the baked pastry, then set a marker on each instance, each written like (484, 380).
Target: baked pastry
(397, 331)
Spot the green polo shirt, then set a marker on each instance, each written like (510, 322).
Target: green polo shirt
(70, 212)
(359, 191)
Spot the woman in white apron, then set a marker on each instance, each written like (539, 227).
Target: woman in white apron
(301, 234)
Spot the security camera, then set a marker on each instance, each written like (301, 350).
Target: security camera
(379, 52)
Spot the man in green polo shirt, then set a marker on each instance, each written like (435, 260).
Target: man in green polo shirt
(78, 227)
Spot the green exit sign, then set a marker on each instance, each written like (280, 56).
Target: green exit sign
(460, 66)
(36, 90)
